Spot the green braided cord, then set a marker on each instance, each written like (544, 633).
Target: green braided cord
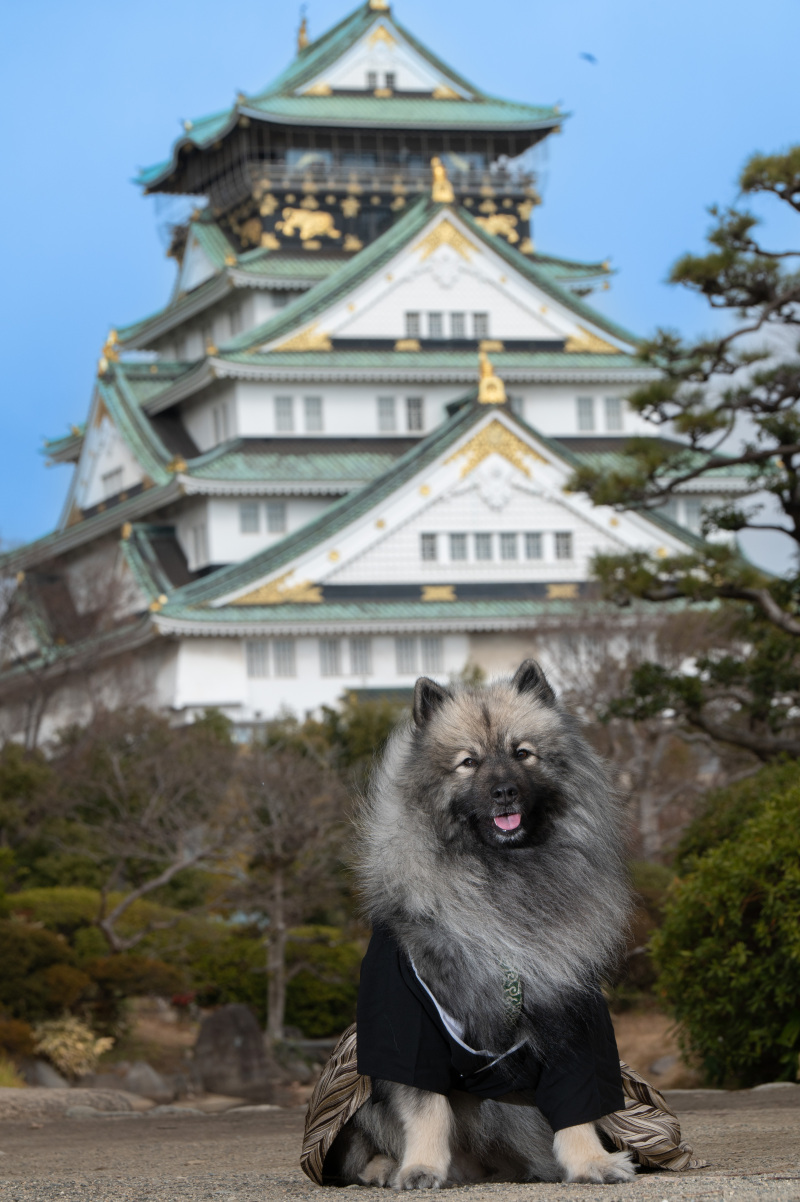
(512, 994)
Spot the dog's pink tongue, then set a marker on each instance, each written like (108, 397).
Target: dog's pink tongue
(508, 822)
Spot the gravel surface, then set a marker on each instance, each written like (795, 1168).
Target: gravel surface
(251, 1155)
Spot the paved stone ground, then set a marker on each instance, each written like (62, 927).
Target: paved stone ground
(752, 1140)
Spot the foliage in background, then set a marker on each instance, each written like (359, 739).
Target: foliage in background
(70, 1045)
(729, 947)
(734, 403)
(9, 1077)
(321, 995)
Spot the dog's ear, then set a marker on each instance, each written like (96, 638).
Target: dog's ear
(428, 696)
(529, 678)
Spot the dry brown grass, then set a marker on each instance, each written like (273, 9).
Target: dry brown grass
(647, 1036)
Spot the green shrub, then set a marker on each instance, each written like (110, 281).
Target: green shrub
(38, 972)
(725, 811)
(321, 997)
(228, 964)
(729, 947)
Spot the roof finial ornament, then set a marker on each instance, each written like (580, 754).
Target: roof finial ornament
(441, 188)
(379, 6)
(491, 389)
(302, 33)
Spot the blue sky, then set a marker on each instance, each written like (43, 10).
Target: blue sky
(679, 95)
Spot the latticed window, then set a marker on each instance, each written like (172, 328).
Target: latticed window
(387, 421)
(405, 649)
(585, 406)
(199, 544)
(219, 416)
(436, 325)
(533, 544)
(372, 79)
(330, 657)
(276, 517)
(249, 517)
(613, 413)
(283, 657)
(458, 325)
(414, 412)
(413, 325)
(483, 546)
(428, 548)
(390, 79)
(284, 414)
(432, 653)
(313, 413)
(458, 546)
(480, 325)
(361, 657)
(563, 544)
(257, 657)
(508, 546)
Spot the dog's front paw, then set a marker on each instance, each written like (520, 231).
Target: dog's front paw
(611, 1168)
(417, 1176)
(378, 1171)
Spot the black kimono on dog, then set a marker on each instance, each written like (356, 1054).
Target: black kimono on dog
(403, 1037)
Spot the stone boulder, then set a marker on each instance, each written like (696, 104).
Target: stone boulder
(230, 1057)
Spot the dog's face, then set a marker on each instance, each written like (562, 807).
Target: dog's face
(492, 754)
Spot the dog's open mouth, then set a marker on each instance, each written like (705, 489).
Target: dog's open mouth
(507, 822)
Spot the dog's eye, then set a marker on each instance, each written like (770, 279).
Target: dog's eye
(522, 753)
(469, 763)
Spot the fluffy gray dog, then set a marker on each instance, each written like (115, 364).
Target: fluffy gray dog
(491, 864)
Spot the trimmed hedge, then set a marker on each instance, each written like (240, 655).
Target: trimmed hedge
(729, 947)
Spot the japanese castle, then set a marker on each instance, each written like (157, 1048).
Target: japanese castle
(338, 457)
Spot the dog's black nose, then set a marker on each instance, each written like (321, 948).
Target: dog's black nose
(505, 793)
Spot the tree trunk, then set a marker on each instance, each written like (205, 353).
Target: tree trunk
(276, 961)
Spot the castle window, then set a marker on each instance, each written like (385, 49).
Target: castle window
(563, 544)
(249, 522)
(508, 546)
(613, 413)
(313, 413)
(483, 546)
(257, 657)
(330, 658)
(428, 549)
(517, 405)
(219, 417)
(284, 414)
(414, 412)
(390, 79)
(458, 325)
(283, 657)
(112, 482)
(432, 656)
(692, 512)
(387, 422)
(533, 544)
(413, 325)
(235, 321)
(405, 649)
(436, 325)
(361, 657)
(585, 406)
(199, 537)
(458, 546)
(276, 517)
(372, 79)
(480, 325)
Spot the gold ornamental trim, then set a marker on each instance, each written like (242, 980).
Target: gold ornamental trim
(310, 339)
(307, 224)
(585, 341)
(407, 344)
(438, 592)
(491, 389)
(441, 188)
(319, 89)
(443, 92)
(495, 439)
(446, 234)
(502, 224)
(562, 592)
(281, 592)
(381, 34)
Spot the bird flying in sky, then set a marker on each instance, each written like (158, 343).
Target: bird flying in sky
(590, 58)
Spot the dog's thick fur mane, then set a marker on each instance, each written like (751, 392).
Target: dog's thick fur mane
(555, 912)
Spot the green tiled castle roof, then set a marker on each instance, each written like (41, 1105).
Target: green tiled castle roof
(279, 102)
